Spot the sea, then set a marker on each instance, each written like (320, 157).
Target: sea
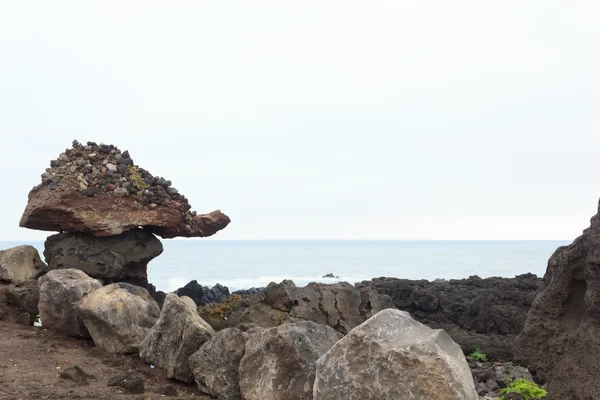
(247, 264)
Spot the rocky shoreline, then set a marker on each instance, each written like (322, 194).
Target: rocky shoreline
(383, 338)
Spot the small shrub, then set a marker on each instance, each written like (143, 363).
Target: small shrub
(477, 355)
(136, 179)
(222, 310)
(525, 388)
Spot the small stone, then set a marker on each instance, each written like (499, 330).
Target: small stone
(125, 154)
(91, 155)
(75, 374)
(152, 205)
(126, 185)
(82, 186)
(111, 167)
(63, 157)
(172, 190)
(73, 168)
(129, 383)
(121, 192)
(45, 176)
(110, 187)
(54, 163)
(53, 184)
(167, 390)
(124, 170)
(105, 161)
(90, 192)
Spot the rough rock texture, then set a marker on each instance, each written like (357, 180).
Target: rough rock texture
(340, 305)
(97, 189)
(476, 313)
(490, 377)
(177, 335)
(392, 356)
(561, 338)
(279, 363)
(60, 294)
(20, 264)
(216, 365)
(25, 295)
(261, 315)
(118, 316)
(113, 259)
(128, 382)
(202, 295)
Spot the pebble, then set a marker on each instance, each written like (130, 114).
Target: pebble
(111, 167)
(153, 205)
(83, 186)
(63, 157)
(54, 163)
(172, 190)
(121, 192)
(91, 155)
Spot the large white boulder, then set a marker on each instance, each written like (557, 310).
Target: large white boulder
(392, 356)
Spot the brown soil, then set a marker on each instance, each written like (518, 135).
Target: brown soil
(31, 359)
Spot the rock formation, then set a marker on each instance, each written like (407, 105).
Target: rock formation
(20, 264)
(97, 189)
(476, 313)
(561, 338)
(113, 259)
(216, 365)
(392, 356)
(60, 294)
(25, 295)
(202, 295)
(178, 333)
(118, 316)
(279, 363)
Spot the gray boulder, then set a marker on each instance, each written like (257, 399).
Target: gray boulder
(113, 258)
(118, 316)
(25, 295)
(20, 264)
(279, 362)
(392, 356)
(178, 333)
(341, 305)
(216, 365)
(60, 293)
(561, 338)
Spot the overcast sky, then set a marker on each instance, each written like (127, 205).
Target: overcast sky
(318, 120)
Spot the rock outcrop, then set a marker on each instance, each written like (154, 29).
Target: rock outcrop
(60, 292)
(561, 338)
(113, 259)
(118, 316)
(178, 333)
(203, 295)
(97, 189)
(216, 365)
(20, 264)
(340, 305)
(25, 295)
(392, 356)
(476, 313)
(279, 363)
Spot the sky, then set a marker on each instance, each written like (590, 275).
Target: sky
(318, 120)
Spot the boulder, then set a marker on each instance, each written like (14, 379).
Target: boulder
(60, 293)
(560, 342)
(20, 264)
(339, 305)
(216, 364)
(392, 356)
(25, 295)
(477, 313)
(97, 189)
(118, 316)
(113, 259)
(178, 333)
(279, 362)
(202, 295)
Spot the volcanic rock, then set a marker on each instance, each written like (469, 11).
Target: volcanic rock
(178, 333)
(118, 316)
(112, 259)
(392, 356)
(79, 193)
(20, 264)
(476, 313)
(216, 365)
(25, 295)
(279, 363)
(561, 338)
(60, 293)
(202, 295)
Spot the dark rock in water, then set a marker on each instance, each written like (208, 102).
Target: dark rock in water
(330, 275)
(202, 295)
(476, 313)
(130, 383)
(114, 259)
(561, 338)
(341, 305)
(75, 374)
(25, 295)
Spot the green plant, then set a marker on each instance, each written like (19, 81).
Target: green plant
(136, 179)
(221, 310)
(525, 388)
(477, 355)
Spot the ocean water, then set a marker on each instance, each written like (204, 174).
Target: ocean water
(245, 264)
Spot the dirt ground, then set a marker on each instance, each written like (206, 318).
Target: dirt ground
(32, 358)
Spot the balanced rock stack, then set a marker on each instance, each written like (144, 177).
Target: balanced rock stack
(108, 210)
